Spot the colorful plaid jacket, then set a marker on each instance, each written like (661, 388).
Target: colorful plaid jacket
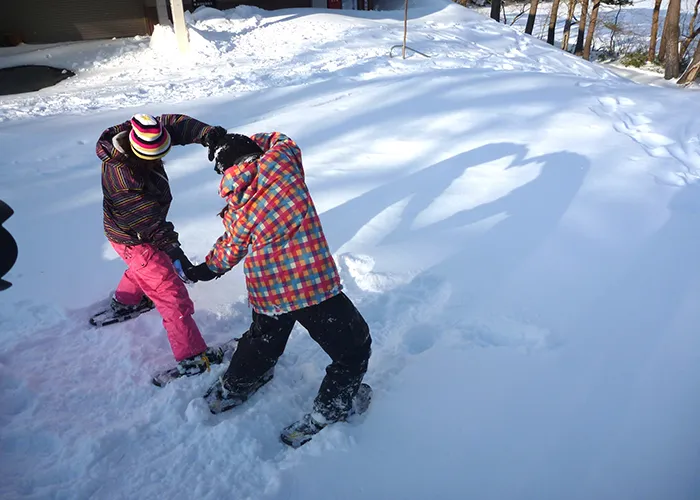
(271, 217)
(136, 201)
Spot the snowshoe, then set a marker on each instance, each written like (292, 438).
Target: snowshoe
(302, 431)
(118, 312)
(221, 398)
(196, 364)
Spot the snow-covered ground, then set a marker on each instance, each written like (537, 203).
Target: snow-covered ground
(518, 226)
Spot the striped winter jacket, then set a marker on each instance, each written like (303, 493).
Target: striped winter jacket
(136, 200)
(271, 216)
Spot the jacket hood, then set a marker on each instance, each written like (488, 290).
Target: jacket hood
(239, 183)
(109, 149)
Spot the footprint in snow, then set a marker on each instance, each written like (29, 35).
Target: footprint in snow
(15, 395)
(501, 331)
(400, 308)
(636, 126)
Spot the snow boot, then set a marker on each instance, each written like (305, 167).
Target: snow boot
(119, 312)
(222, 397)
(146, 304)
(191, 366)
(302, 431)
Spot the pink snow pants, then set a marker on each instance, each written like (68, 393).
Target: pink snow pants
(151, 272)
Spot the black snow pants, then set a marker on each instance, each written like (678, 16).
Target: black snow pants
(335, 324)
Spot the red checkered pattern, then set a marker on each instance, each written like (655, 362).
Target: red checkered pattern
(271, 218)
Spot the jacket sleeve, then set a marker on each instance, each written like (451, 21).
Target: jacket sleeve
(141, 215)
(230, 248)
(184, 129)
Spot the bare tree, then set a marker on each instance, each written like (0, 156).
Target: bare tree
(692, 31)
(662, 45)
(672, 62)
(654, 30)
(591, 30)
(691, 73)
(523, 9)
(530, 25)
(614, 26)
(496, 10)
(553, 22)
(567, 25)
(578, 50)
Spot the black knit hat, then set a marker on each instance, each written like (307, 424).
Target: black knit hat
(233, 149)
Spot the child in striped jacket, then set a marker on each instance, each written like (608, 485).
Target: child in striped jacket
(136, 200)
(270, 219)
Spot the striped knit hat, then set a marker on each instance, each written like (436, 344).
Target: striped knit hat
(149, 139)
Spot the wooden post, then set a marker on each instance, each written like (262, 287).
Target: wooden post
(405, 29)
(183, 41)
(162, 9)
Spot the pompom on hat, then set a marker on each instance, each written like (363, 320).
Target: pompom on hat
(148, 138)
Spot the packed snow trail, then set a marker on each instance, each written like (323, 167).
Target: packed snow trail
(520, 244)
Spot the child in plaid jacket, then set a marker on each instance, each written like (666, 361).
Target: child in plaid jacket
(270, 210)
(290, 273)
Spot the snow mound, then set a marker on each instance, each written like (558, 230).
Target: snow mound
(164, 43)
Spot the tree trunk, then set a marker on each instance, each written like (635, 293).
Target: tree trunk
(553, 22)
(662, 45)
(496, 10)
(591, 31)
(691, 30)
(531, 17)
(567, 25)
(672, 62)
(654, 30)
(581, 28)
(691, 73)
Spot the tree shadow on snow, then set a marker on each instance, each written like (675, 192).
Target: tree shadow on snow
(530, 213)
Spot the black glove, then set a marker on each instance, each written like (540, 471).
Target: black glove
(201, 273)
(181, 262)
(211, 140)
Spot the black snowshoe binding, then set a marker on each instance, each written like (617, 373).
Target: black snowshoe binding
(194, 365)
(221, 398)
(302, 431)
(119, 312)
